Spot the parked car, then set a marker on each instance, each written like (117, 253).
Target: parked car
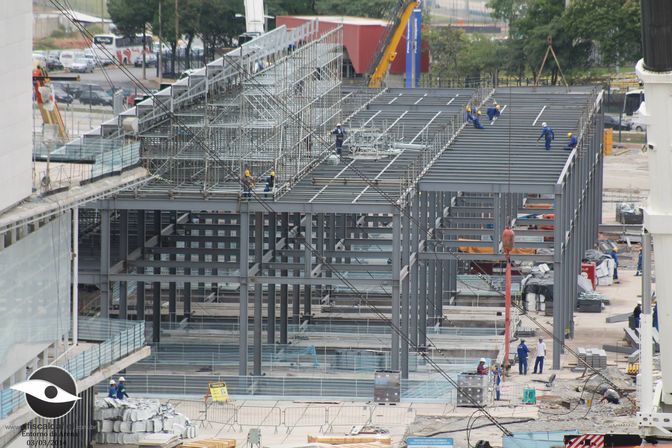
(95, 98)
(53, 63)
(611, 122)
(150, 60)
(67, 58)
(637, 125)
(62, 97)
(82, 65)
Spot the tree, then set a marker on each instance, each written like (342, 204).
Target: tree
(131, 18)
(611, 26)
(445, 44)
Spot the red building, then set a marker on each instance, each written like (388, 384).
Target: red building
(361, 37)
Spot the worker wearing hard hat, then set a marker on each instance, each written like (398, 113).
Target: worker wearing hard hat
(572, 142)
(522, 352)
(112, 390)
(477, 120)
(493, 113)
(248, 182)
(270, 181)
(339, 132)
(482, 368)
(547, 134)
(121, 388)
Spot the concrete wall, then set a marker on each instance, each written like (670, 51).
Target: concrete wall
(16, 24)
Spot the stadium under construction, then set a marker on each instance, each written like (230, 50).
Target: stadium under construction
(343, 264)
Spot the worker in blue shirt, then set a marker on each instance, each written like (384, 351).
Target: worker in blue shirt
(121, 389)
(112, 390)
(493, 112)
(572, 142)
(477, 120)
(548, 135)
(497, 374)
(614, 254)
(522, 357)
(339, 132)
(467, 114)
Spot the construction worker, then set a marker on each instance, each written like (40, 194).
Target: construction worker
(611, 396)
(541, 353)
(468, 116)
(270, 181)
(493, 112)
(112, 390)
(121, 389)
(636, 313)
(548, 135)
(477, 120)
(482, 369)
(248, 182)
(339, 132)
(572, 142)
(497, 374)
(614, 254)
(522, 357)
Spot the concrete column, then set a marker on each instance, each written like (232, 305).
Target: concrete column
(140, 286)
(396, 268)
(307, 265)
(244, 233)
(284, 299)
(258, 254)
(272, 225)
(105, 263)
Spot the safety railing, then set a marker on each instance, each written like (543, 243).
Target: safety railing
(288, 417)
(284, 388)
(129, 338)
(121, 338)
(80, 161)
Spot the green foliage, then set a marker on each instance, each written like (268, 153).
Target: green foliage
(612, 25)
(131, 16)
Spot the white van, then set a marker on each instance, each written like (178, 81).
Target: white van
(67, 58)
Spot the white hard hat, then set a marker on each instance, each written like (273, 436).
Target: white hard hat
(112, 382)
(482, 360)
(338, 124)
(543, 125)
(121, 378)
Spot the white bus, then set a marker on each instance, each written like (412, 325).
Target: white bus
(124, 49)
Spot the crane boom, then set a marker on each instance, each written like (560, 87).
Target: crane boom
(389, 51)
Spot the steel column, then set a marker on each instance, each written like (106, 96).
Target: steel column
(422, 277)
(244, 233)
(123, 255)
(272, 226)
(558, 298)
(308, 267)
(284, 293)
(258, 254)
(140, 286)
(396, 268)
(296, 297)
(405, 287)
(104, 263)
(415, 225)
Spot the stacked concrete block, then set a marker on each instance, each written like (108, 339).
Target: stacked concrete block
(473, 386)
(132, 420)
(594, 357)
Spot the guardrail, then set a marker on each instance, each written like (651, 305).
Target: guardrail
(283, 388)
(123, 338)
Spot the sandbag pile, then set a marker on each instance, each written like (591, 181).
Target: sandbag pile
(129, 421)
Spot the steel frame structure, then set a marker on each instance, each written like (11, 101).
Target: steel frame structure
(393, 226)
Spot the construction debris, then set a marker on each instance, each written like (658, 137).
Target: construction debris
(210, 443)
(133, 421)
(382, 439)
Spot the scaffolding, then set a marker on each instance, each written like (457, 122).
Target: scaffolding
(270, 113)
